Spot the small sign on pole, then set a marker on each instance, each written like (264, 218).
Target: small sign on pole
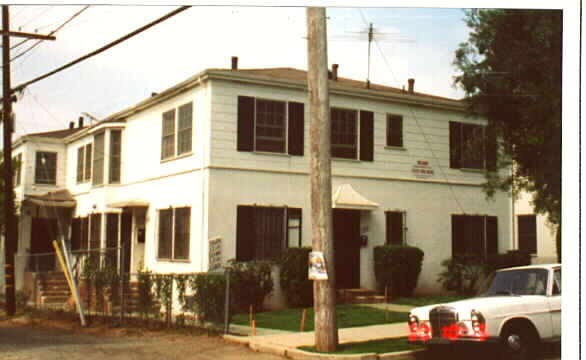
(317, 266)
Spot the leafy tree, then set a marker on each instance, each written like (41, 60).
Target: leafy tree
(511, 72)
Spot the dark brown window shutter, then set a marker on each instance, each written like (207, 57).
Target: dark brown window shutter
(244, 233)
(458, 232)
(296, 128)
(491, 235)
(245, 135)
(455, 145)
(85, 233)
(366, 135)
(394, 220)
(75, 234)
(491, 149)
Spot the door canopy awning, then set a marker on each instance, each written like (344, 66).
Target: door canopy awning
(59, 198)
(345, 197)
(129, 204)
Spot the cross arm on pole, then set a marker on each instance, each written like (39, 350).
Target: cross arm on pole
(28, 35)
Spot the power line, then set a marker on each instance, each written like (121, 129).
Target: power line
(51, 33)
(102, 49)
(433, 154)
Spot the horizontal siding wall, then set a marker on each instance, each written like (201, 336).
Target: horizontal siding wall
(425, 136)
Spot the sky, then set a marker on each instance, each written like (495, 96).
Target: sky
(409, 43)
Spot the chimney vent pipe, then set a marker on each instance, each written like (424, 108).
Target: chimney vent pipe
(335, 72)
(80, 122)
(72, 124)
(234, 62)
(411, 86)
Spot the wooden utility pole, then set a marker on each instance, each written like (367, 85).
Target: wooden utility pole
(326, 331)
(10, 242)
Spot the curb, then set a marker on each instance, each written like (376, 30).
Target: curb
(297, 354)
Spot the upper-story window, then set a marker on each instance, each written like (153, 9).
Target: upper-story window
(350, 138)
(84, 163)
(471, 147)
(115, 156)
(394, 130)
(46, 168)
(17, 166)
(270, 126)
(99, 147)
(177, 135)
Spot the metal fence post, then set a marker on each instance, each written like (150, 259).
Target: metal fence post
(122, 284)
(227, 305)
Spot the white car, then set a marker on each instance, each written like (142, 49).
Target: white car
(520, 308)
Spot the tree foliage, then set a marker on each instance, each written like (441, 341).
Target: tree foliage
(511, 73)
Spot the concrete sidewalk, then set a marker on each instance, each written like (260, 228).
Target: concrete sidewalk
(285, 343)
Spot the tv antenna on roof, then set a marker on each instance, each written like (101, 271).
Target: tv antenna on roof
(372, 34)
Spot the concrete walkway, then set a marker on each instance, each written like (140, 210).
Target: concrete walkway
(286, 343)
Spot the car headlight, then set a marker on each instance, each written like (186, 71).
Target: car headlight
(413, 323)
(478, 322)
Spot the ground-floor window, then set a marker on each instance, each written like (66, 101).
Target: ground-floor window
(263, 232)
(174, 233)
(395, 227)
(527, 233)
(474, 235)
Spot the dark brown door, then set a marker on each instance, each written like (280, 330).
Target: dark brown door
(126, 239)
(43, 232)
(347, 248)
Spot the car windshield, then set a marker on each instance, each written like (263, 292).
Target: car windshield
(518, 282)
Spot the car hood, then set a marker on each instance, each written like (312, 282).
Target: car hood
(489, 306)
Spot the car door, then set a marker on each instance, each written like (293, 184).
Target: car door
(555, 302)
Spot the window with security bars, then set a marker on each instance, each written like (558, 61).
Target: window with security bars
(475, 235)
(115, 156)
(174, 233)
(95, 236)
(527, 233)
(112, 235)
(263, 232)
(394, 130)
(46, 168)
(395, 227)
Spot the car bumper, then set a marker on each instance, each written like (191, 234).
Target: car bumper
(459, 340)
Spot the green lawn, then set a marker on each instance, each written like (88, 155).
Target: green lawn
(427, 300)
(347, 316)
(377, 346)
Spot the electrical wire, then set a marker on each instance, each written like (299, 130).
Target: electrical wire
(51, 33)
(427, 142)
(20, 87)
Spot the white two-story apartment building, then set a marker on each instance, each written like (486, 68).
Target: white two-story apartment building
(223, 158)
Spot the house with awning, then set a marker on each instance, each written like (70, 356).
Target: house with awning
(222, 160)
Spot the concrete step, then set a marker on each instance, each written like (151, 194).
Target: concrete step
(53, 299)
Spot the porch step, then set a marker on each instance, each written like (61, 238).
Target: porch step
(359, 296)
(52, 288)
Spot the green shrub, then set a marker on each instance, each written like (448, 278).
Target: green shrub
(250, 284)
(294, 281)
(462, 274)
(209, 296)
(398, 268)
(146, 301)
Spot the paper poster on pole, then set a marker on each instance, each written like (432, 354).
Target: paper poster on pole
(317, 266)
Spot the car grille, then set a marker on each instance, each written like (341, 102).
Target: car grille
(442, 317)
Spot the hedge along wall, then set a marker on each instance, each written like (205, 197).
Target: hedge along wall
(397, 268)
(294, 281)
